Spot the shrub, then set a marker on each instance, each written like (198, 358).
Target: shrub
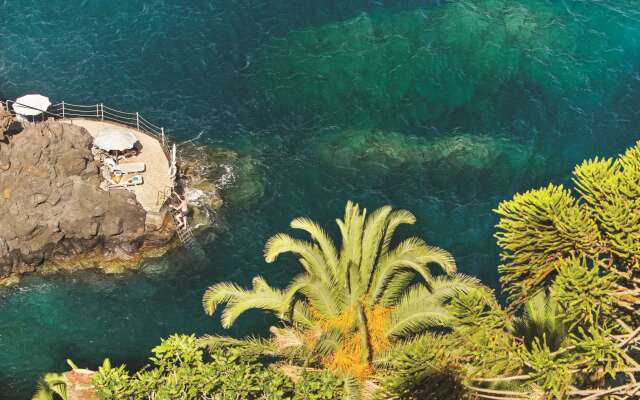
(180, 370)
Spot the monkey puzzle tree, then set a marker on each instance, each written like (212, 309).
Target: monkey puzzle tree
(584, 251)
(571, 264)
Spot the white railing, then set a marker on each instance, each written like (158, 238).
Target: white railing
(103, 113)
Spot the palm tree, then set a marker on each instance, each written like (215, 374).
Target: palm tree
(541, 322)
(51, 386)
(350, 304)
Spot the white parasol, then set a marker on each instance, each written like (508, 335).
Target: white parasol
(31, 104)
(115, 139)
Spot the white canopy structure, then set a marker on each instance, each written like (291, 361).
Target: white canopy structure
(31, 105)
(115, 140)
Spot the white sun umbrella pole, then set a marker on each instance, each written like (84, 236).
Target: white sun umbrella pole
(31, 105)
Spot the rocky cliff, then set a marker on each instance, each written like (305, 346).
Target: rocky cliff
(51, 207)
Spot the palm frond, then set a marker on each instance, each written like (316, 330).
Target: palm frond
(352, 389)
(396, 218)
(290, 310)
(314, 264)
(266, 298)
(238, 300)
(422, 308)
(351, 233)
(286, 338)
(249, 345)
(396, 287)
(442, 258)
(355, 285)
(328, 342)
(220, 293)
(51, 386)
(413, 254)
(372, 237)
(419, 321)
(322, 298)
(415, 297)
(445, 287)
(541, 321)
(321, 237)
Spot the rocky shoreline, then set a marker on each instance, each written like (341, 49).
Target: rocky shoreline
(54, 217)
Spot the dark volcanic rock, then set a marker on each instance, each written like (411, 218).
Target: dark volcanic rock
(5, 122)
(51, 205)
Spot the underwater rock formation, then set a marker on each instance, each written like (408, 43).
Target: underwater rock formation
(51, 207)
(459, 61)
(378, 153)
(220, 172)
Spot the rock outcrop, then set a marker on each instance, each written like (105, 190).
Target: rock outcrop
(214, 170)
(51, 207)
(448, 162)
(361, 150)
(6, 121)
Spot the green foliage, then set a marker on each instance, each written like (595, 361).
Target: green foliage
(51, 386)
(586, 294)
(538, 228)
(319, 385)
(548, 231)
(425, 368)
(113, 383)
(542, 321)
(350, 302)
(179, 370)
(553, 374)
(572, 263)
(583, 250)
(597, 353)
(483, 330)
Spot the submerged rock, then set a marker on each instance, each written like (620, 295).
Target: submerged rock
(51, 207)
(458, 62)
(215, 173)
(377, 153)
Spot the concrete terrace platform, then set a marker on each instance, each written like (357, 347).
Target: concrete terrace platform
(156, 179)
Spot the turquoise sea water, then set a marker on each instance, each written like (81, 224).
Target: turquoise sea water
(560, 79)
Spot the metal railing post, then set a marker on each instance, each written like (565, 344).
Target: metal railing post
(85, 111)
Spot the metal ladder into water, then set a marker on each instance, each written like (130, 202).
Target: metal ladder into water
(185, 234)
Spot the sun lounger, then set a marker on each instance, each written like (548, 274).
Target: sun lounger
(131, 168)
(132, 181)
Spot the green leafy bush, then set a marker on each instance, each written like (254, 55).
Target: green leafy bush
(319, 385)
(180, 370)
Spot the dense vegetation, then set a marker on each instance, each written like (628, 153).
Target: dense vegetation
(372, 318)
(571, 257)
(349, 305)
